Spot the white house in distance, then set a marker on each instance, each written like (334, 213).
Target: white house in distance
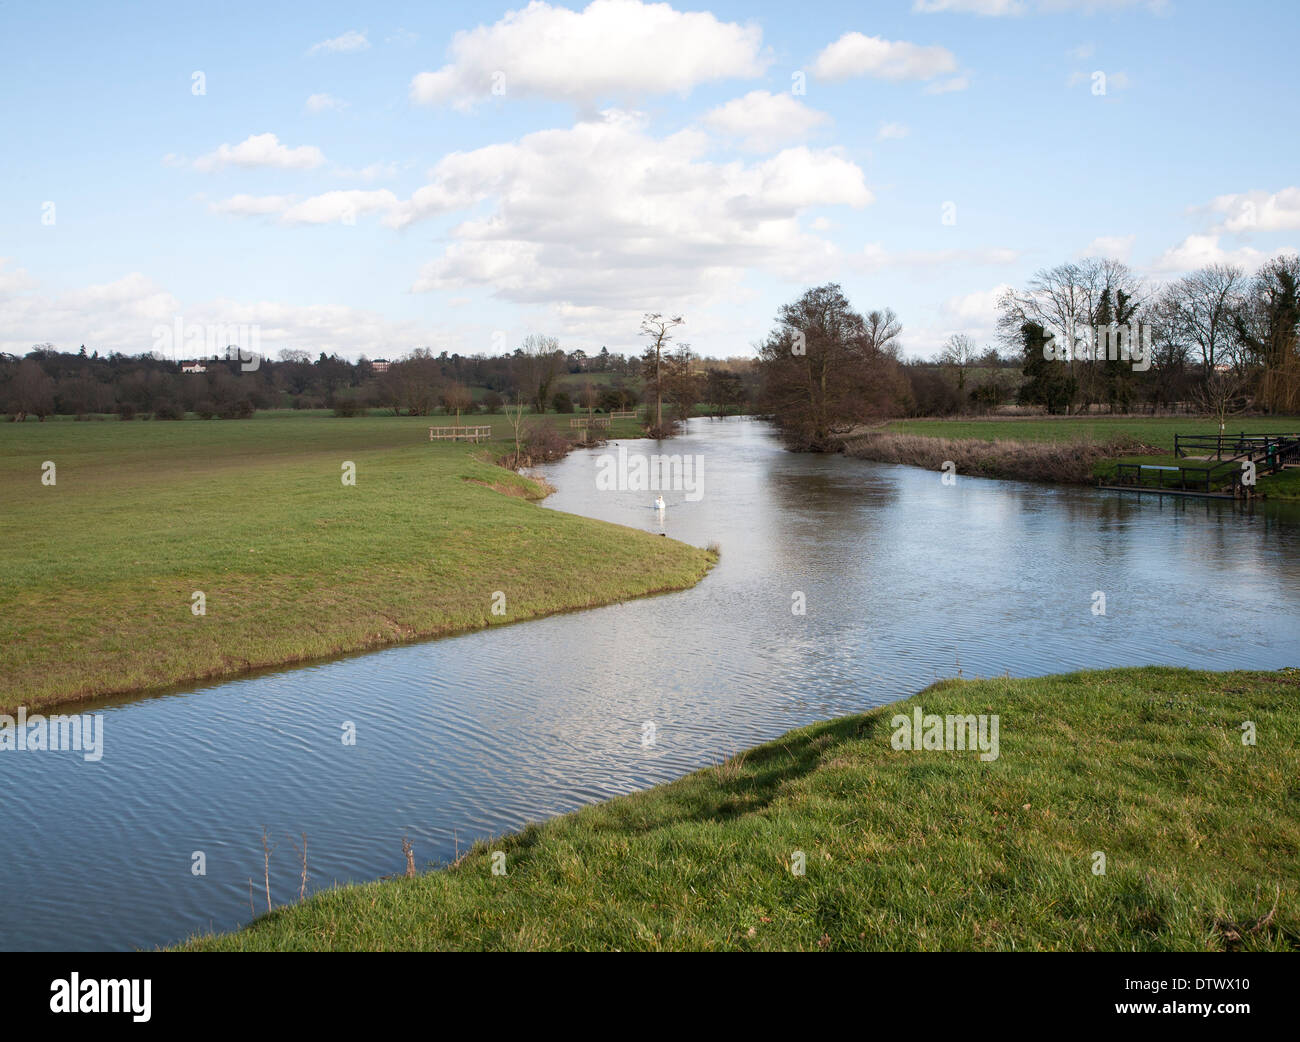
(380, 365)
(193, 367)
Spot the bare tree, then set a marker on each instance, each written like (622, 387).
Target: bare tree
(1223, 393)
(538, 360)
(958, 355)
(658, 328)
(515, 416)
(1199, 309)
(457, 396)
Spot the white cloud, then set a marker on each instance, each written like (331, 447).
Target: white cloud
(612, 48)
(121, 316)
(1081, 52)
(1258, 211)
(348, 43)
(13, 280)
(324, 103)
(653, 220)
(1197, 251)
(765, 121)
(980, 306)
(854, 54)
(1120, 247)
(340, 207)
(892, 131)
(261, 150)
(253, 205)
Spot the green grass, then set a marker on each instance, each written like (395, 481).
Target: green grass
(97, 572)
(1155, 431)
(904, 850)
(1283, 486)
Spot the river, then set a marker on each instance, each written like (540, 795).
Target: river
(903, 580)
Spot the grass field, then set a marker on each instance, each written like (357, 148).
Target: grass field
(904, 850)
(1016, 437)
(98, 571)
(1155, 431)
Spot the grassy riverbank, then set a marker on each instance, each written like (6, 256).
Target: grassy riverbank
(904, 850)
(99, 569)
(1062, 449)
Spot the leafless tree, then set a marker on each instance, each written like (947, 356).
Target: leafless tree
(657, 328)
(958, 355)
(538, 361)
(1199, 309)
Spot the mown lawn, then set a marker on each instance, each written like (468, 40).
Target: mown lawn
(98, 571)
(903, 850)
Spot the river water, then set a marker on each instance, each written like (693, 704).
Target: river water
(903, 580)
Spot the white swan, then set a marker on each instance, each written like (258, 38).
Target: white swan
(659, 503)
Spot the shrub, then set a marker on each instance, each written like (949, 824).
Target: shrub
(347, 405)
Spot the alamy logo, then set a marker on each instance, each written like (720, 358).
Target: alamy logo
(241, 343)
(37, 733)
(102, 996)
(951, 733)
(1117, 342)
(656, 473)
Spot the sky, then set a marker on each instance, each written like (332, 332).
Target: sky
(369, 179)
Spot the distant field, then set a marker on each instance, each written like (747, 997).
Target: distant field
(1155, 431)
(902, 850)
(97, 572)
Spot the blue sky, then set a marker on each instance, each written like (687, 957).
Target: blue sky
(635, 157)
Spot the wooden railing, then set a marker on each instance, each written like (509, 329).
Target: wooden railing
(460, 433)
(1273, 450)
(625, 414)
(589, 421)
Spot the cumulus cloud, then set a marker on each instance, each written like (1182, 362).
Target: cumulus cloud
(261, 150)
(762, 121)
(611, 49)
(342, 207)
(349, 42)
(1120, 247)
(1197, 251)
(855, 54)
(1258, 211)
(653, 219)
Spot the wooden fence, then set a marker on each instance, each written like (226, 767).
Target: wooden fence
(460, 433)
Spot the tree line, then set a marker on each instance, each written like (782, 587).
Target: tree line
(538, 374)
(1218, 340)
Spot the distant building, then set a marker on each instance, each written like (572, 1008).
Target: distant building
(193, 367)
(380, 365)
